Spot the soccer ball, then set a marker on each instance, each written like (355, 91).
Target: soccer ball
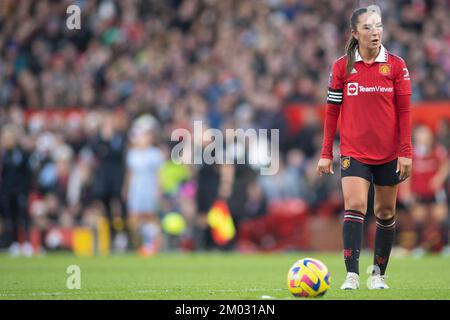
(308, 278)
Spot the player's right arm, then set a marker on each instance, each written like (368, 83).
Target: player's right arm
(334, 102)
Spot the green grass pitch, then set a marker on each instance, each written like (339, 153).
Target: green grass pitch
(220, 276)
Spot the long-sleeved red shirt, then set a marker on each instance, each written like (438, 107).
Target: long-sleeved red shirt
(373, 101)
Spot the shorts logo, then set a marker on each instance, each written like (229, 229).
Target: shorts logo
(345, 163)
(352, 89)
(385, 69)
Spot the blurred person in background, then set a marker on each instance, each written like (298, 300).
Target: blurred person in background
(142, 186)
(283, 185)
(236, 177)
(306, 138)
(109, 148)
(429, 209)
(319, 191)
(256, 202)
(209, 179)
(443, 133)
(15, 184)
(79, 184)
(53, 160)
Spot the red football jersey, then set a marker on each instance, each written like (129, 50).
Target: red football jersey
(369, 116)
(426, 165)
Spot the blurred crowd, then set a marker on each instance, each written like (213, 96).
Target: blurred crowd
(137, 70)
(213, 54)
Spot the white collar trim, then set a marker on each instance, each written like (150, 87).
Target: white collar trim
(382, 55)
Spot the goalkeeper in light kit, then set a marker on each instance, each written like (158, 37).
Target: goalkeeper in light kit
(370, 88)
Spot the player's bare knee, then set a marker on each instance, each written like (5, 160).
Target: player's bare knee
(439, 213)
(360, 206)
(384, 213)
(419, 213)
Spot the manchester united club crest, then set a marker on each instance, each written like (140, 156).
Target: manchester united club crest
(385, 69)
(345, 163)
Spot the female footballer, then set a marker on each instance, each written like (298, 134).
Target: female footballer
(370, 88)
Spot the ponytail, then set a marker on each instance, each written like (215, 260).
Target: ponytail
(352, 43)
(350, 50)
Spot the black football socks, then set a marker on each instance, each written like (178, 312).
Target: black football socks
(384, 239)
(419, 227)
(352, 235)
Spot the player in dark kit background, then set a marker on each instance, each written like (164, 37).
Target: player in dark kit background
(370, 88)
(15, 184)
(109, 147)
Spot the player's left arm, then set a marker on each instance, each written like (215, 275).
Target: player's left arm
(402, 86)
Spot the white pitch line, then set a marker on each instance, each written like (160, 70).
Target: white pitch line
(81, 292)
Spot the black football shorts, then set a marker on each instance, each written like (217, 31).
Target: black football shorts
(438, 197)
(380, 175)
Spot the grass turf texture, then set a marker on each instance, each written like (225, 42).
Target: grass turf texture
(208, 276)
